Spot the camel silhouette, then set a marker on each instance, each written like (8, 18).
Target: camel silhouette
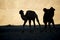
(48, 16)
(30, 15)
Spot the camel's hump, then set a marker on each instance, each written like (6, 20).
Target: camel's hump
(30, 11)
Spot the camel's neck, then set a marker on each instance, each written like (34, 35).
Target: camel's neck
(23, 16)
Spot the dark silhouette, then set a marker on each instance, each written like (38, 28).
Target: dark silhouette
(14, 32)
(30, 15)
(48, 16)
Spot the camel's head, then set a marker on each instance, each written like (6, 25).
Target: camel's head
(21, 12)
(52, 9)
(44, 9)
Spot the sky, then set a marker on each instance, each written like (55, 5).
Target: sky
(9, 10)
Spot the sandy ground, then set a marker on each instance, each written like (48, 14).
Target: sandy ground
(15, 33)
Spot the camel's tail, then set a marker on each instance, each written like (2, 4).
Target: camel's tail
(37, 20)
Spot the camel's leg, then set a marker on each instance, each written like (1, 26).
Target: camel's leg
(34, 23)
(30, 25)
(24, 25)
(45, 25)
(24, 22)
(49, 26)
(38, 22)
(53, 23)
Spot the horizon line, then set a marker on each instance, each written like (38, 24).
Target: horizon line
(22, 25)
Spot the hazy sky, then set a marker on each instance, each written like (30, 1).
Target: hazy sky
(9, 10)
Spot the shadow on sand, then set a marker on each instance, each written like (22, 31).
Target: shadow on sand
(14, 32)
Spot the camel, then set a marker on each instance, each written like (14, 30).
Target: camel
(30, 15)
(48, 17)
